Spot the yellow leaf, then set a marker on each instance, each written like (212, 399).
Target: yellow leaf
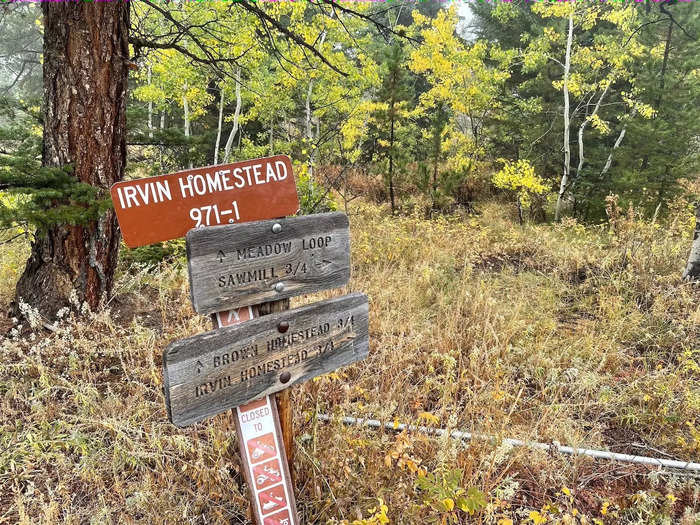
(428, 417)
(537, 518)
(449, 503)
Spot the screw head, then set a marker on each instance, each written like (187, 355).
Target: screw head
(283, 327)
(276, 228)
(279, 287)
(285, 377)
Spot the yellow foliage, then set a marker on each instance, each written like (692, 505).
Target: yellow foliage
(428, 418)
(378, 516)
(520, 177)
(600, 124)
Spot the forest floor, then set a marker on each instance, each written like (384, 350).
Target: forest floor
(582, 335)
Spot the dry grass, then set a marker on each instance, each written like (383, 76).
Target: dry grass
(586, 336)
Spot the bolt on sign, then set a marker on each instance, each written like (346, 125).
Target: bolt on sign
(244, 264)
(165, 207)
(209, 373)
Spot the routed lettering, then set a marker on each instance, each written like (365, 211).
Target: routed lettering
(211, 372)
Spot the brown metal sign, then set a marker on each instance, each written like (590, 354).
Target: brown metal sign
(209, 373)
(166, 207)
(244, 264)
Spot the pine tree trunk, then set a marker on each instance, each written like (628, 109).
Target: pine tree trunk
(692, 270)
(391, 158)
(662, 83)
(85, 81)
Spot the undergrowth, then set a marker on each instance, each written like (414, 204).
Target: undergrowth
(583, 335)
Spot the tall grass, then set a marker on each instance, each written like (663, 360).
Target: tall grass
(583, 335)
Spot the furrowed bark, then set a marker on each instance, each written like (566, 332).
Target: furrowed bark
(85, 69)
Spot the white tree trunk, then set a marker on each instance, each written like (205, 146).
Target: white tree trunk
(309, 120)
(567, 124)
(162, 127)
(581, 157)
(236, 116)
(692, 269)
(621, 136)
(309, 132)
(218, 131)
(150, 108)
(186, 110)
(272, 136)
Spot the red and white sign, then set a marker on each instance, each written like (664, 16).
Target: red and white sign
(165, 207)
(266, 462)
(280, 518)
(229, 317)
(262, 448)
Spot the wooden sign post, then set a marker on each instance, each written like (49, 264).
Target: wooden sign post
(266, 466)
(165, 207)
(243, 274)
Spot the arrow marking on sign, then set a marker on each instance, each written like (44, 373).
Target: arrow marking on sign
(323, 263)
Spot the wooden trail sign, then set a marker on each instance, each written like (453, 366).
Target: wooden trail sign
(209, 373)
(244, 264)
(165, 207)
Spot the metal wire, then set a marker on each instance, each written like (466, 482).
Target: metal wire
(551, 447)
